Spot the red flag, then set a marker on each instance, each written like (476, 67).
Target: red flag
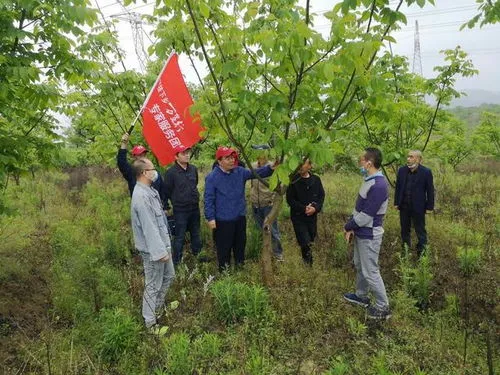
(167, 121)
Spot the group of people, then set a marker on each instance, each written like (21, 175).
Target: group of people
(225, 213)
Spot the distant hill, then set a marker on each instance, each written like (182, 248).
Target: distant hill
(472, 115)
(475, 98)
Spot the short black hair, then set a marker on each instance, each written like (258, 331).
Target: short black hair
(139, 166)
(374, 155)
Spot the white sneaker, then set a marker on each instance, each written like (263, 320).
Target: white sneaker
(158, 330)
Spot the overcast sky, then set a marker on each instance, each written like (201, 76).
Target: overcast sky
(438, 25)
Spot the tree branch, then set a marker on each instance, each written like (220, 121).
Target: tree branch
(263, 74)
(341, 109)
(20, 27)
(36, 123)
(432, 124)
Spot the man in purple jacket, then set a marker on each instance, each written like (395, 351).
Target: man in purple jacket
(365, 225)
(225, 205)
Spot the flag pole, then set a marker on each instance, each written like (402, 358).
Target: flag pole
(150, 92)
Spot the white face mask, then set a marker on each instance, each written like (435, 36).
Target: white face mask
(155, 176)
(152, 177)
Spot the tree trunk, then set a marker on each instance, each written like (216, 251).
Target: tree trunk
(266, 257)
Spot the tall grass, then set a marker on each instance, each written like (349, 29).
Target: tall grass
(78, 242)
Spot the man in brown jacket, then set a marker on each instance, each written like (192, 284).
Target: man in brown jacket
(262, 201)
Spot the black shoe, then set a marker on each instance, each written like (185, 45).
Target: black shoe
(379, 314)
(353, 298)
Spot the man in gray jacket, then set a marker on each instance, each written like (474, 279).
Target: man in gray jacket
(152, 240)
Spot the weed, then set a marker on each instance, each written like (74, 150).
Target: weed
(180, 362)
(470, 260)
(338, 367)
(236, 300)
(119, 336)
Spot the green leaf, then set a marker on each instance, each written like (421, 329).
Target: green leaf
(204, 9)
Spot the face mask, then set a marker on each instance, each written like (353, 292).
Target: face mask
(412, 166)
(155, 176)
(363, 171)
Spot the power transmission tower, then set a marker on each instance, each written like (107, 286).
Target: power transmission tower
(135, 21)
(417, 59)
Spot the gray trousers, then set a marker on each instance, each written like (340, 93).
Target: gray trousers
(157, 278)
(368, 276)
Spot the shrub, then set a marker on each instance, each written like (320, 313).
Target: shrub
(120, 334)
(207, 349)
(470, 260)
(339, 367)
(178, 353)
(236, 300)
(254, 240)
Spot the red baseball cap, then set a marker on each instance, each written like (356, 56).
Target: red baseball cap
(181, 148)
(138, 150)
(224, 151)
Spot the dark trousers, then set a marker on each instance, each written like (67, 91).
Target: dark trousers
(186, 221)
(230, 235)
(407, 216)
(305, 232)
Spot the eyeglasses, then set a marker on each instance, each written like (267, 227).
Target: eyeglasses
(151, 169)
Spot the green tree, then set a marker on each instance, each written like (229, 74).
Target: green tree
(452, 144)
(398, 118)
(489, 13)
(43, 48)
(486, 137)
(273, 78)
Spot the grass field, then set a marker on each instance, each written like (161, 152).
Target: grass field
(71, 292)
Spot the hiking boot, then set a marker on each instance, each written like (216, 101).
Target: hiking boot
(353, 298)
(379, 314)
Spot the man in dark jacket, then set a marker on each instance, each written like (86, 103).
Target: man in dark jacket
(181, 181)
(225, 205)
(414, 196)
(125, 168)
(305, 196)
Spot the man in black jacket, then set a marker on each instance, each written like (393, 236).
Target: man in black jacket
(127, 171)
(414, 196)
(305, 196)
(181, 188)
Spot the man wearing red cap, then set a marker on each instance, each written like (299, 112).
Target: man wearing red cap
(125, 168)
(181, 188)
(225, 205)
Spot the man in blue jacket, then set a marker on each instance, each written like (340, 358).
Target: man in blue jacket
(225, 205)
(366, 225)
(414, 196)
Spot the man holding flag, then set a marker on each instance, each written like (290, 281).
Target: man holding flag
(126, 170)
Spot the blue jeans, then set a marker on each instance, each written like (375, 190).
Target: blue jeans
(259, 214)
(186, 221)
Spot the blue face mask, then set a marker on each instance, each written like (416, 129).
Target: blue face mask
(363, 171)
